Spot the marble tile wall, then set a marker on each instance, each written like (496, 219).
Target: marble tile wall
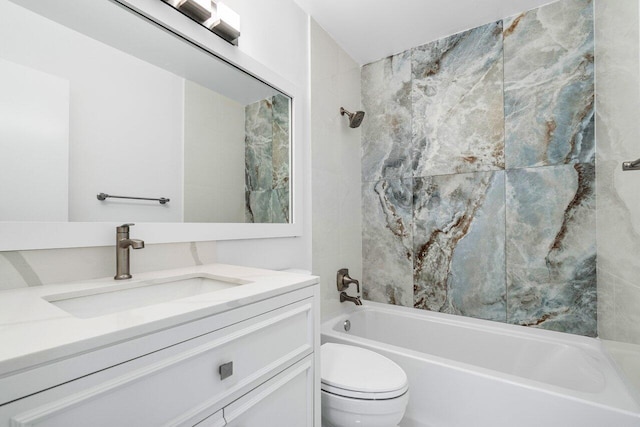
(457, 103)
(459, 244)
(478, 172)
(267, 143)
(549, 85)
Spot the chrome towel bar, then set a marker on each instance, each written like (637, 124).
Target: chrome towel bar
(104, 196)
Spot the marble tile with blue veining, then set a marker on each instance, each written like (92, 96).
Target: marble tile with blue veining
(459, 265)
(284, 201)
(281, 141)
(265, 206)
(259, 146)
(549, 85)
(551, 248)
(387, 241)
(457, 103)
(386, 129)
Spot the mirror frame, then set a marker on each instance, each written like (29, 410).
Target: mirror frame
(50, 235)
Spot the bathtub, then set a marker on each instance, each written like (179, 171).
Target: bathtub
(473, 373)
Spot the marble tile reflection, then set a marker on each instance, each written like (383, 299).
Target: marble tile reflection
(457, 103)
(267, 206)
(459, 263)
(551, 248)
(267, 147)
(387, 239)
(259, 145)
(549, 85)
(281, 141)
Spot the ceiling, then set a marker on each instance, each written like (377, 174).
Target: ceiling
(369, 30)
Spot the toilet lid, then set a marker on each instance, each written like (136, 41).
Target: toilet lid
(357, 372)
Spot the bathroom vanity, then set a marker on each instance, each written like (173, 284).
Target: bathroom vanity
(212, 345)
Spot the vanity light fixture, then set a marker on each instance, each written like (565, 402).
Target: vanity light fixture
(215, 15)
(224, 22)
(199, 10)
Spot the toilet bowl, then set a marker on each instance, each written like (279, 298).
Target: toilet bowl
(361, 388)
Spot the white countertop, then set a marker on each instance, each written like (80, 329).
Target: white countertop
(34, 331)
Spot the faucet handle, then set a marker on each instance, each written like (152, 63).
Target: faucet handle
(344, 280)
(124, 228)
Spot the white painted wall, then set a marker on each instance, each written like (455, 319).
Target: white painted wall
(335, 147)
(110, 141)
(371, 30)
(214, 188)
(276, 33)
(34, 145)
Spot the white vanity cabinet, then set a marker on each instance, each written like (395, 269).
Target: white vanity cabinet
(283, 401)
(251, 366)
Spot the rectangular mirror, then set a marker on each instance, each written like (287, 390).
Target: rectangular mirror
(102, 103)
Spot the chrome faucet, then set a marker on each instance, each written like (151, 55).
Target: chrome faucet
(123, 242)
(344, 280)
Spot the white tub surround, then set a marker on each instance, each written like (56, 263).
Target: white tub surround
(264, 321)
(335, 169)
(465, 371)
(627, 359)
(618, 209)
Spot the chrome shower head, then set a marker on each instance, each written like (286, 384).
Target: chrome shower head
(355, 119)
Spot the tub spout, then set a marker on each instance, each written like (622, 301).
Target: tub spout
(344, 297)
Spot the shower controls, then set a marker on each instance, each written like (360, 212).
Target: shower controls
(344, 280)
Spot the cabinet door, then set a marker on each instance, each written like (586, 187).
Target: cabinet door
(215, 420)
(285, 400)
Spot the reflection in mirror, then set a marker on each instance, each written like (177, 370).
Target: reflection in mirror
(267, 160)
(256, 135)
(114, 104)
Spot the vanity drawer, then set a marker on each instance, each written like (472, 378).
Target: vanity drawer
(182, 384)
(285, 400)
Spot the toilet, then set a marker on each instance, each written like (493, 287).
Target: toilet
(361, 388)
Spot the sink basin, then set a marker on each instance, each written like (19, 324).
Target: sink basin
(121, 297)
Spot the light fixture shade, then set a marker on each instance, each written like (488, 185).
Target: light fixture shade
(200, 10)
(215, 15)
(224, 22)
(174, 3)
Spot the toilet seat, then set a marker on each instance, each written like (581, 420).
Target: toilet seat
(358, 373)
